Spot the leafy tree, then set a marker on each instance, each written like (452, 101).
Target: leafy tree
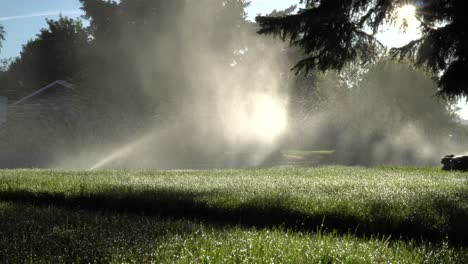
(143, 46)
(2, 35)
(146, 54)
(57, 53)
(333, 33)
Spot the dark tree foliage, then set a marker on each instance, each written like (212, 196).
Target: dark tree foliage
(333, 33)
(57, 53)
(101, 15)
(2, 35)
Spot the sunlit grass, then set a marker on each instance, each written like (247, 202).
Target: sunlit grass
(364, 215)
(51, 235)
(385, 200)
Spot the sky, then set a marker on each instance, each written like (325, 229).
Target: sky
(23, 19)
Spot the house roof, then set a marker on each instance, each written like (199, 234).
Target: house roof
(51, 85)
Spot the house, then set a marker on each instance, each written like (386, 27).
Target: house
(36, 125)
(52, 89)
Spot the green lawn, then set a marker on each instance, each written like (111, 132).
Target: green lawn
(307, 153)
(281, 215)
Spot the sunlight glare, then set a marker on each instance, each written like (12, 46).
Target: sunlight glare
(268, 119)
(407, 15)
(260, 117)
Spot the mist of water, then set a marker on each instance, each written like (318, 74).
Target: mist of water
(204, 107)
(392, 117)
(221, 112)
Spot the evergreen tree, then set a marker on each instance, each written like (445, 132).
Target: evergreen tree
(333, 33)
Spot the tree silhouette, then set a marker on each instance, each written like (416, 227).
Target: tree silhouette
(335, 32)
(443, 46)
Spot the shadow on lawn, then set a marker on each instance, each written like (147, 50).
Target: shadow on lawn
(34, 234)
(260, 212)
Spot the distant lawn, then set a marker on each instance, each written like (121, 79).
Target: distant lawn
(306, 157)
(376, 215)
(307, 153)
